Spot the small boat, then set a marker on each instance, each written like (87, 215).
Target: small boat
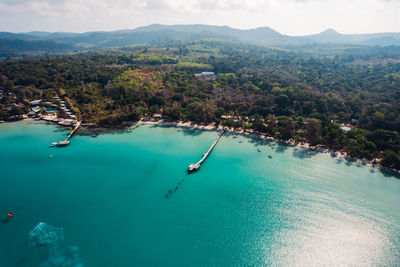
(66, 141)
(53, 144)
(193, 167)
(269, 156)
(62, 143)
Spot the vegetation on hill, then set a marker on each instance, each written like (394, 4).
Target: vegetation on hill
(17, 44)
(287, 94)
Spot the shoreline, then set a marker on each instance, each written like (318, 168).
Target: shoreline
(299, 145)
(251, 134)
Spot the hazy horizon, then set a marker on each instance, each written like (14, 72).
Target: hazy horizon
(289, 17)
(189, 24)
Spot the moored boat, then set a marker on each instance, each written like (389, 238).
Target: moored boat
(193, 167)
(62, 143)
(53, 144)
(66, 141)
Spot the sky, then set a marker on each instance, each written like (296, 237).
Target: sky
(291, 17)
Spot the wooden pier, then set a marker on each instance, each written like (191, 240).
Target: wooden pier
(196, 166)
(66, 141)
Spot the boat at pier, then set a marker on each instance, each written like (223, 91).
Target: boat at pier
(61, 143)
(66, 141)
(193, 167)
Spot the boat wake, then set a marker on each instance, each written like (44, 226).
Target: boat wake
(44, 235)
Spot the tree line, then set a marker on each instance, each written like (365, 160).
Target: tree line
(286, 94)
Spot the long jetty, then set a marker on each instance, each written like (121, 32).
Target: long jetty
(66, 141)
(73, 131)
(195, 166)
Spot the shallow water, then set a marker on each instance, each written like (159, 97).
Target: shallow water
(107, 196)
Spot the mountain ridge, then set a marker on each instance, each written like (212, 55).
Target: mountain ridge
(154, 33)
(260, 34)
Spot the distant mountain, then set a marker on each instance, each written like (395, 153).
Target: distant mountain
(38, 34)
(10, 35)
(158, 33)
(16, 47)
(332, 36)
(262, 34)
(266, 35)
(383, 41)
(327, 36)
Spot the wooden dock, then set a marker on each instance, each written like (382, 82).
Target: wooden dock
(196, 166)
(74, 130)
(66, 141)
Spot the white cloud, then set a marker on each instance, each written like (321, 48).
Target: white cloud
(294, 17)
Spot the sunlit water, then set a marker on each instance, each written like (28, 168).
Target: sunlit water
(103, 202)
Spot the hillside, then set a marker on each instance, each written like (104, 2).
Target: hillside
(172, 34)
(285, 94)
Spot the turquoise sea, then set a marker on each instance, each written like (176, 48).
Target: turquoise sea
(102, 201)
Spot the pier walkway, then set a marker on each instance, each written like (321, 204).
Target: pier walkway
(195, 166)
(66, 141)
(73, 131)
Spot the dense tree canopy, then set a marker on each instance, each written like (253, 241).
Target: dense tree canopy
(288, 94)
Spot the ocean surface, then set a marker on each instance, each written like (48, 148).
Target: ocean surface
(124, 199)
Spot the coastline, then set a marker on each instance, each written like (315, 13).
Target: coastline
(299, 145)
(134, 170)
(251, 134)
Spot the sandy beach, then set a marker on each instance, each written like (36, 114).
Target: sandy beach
(251, 134)
(300, 145)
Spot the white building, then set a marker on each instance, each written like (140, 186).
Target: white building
(207, 73)
(345, 128)
(36, 102)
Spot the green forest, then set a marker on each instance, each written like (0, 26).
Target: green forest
(305, 94)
